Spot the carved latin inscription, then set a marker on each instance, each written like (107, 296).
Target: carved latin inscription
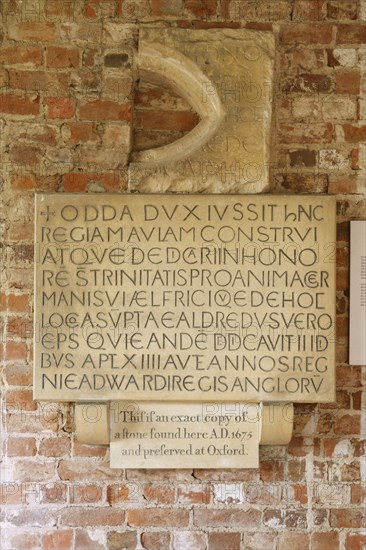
(185, 298)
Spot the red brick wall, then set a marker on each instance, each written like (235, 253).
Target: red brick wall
(66, 111)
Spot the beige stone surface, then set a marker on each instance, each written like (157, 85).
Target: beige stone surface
(226, 75)
(184, 435)
(92, 423)
(277, 423)
(185, 298)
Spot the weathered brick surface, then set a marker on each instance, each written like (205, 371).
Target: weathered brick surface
(70, 112)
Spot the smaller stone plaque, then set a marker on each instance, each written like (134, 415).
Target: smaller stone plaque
(357, 317)
(184, 435)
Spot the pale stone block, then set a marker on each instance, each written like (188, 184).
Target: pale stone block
(226, 75)
(277, 423)
(92, 423)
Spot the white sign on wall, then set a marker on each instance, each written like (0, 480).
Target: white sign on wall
(357, 342)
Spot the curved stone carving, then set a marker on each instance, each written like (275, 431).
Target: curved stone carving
(161, 65)
(226, 75)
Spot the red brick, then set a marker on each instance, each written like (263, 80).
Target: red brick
(23, 181)
(25, 154)
(347, 424)
(307, 10)
(20, 399)
(355, 159)
(358, 493)
(272, 470)
(305, 133)
(348, 82)
(226, 518)
(351, 34)
(19, 104)
(342, 401)
(25, 541)
(344, 184)
(105, 110)
(87, 493)
(339, 10)
(62, 58)
(354, 134)
(305, 183)
(179, 121)
(21, 446)
(189, 539)
(79, 470)
(60, 107)
(78, 182)
(195, 494)
(36, 31)
(30, 81)
(260, 540)
(159, 494)
(197, 24)
(21, 232)
(303, 157)
(123, 492)
(224, 541)
(349, 377)
(257, 26)
(55, 446)
(325, 541)
(317, 83)
(20, 55)
(58, 540)
(18, 302)
(201, 8)
(166, 7)
(296, 470)
(18, 375)
(41, 133)
(79, 132)
(290, 541)
(31, 470)
(158, 517)
(92, 516)
(347, 518)
(306, 34)
(12, 494)
(355, 541)
(357, 400)
(122, 539)
(156, 540)
(89, 450)
(14, 351)
(54, 493)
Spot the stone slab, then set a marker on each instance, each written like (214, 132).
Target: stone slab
(357, 317)
(184, 298)
(236, 66)
(184, 435)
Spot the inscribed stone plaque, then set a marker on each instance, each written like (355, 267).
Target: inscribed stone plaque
(185, 435)
(184, 297)
(226, 75)
(357, 317)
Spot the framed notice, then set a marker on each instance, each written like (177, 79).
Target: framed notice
(184, 298)
(357, 314)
